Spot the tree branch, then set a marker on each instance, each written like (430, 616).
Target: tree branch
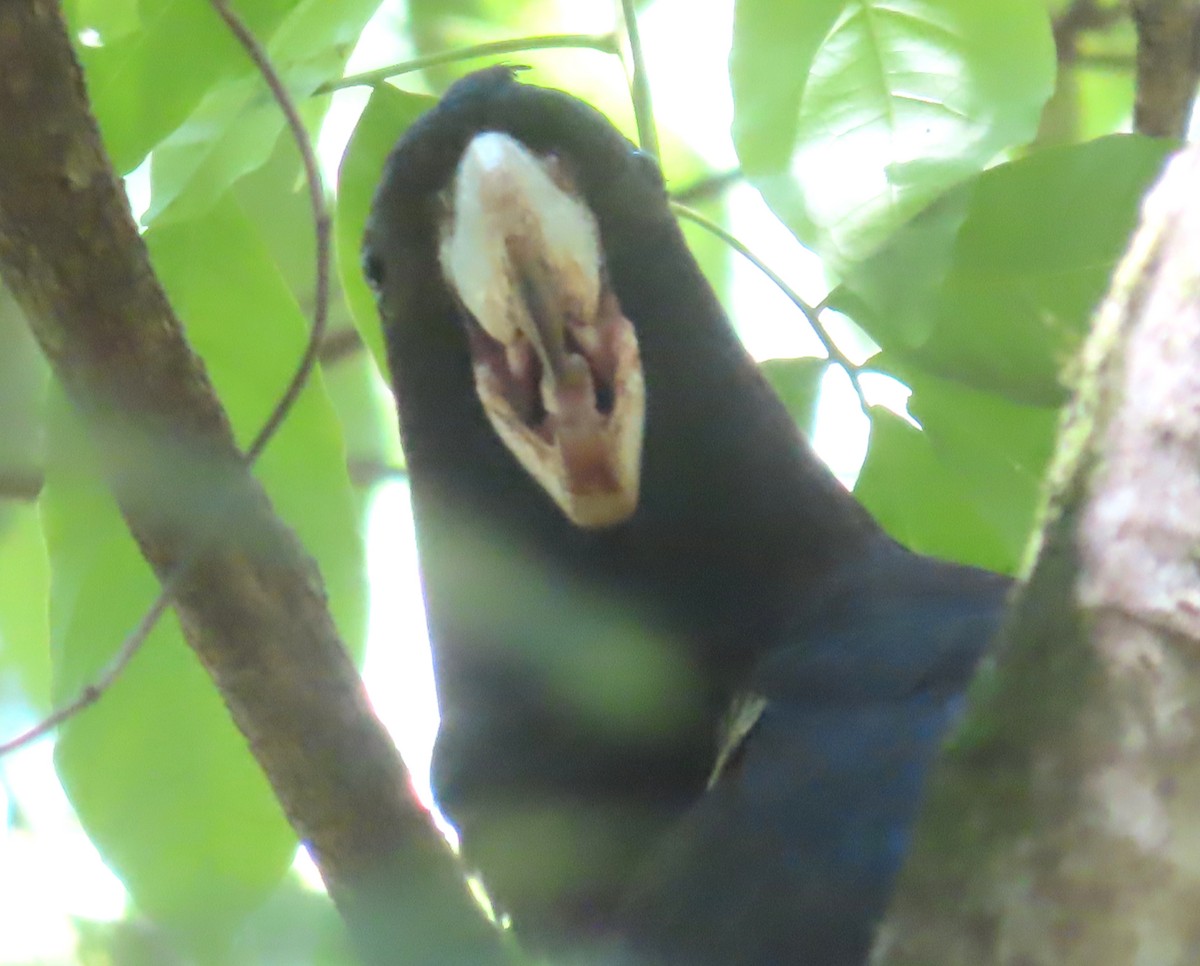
(1168, 65)
(1082, 16)
(338, 345)
(251, 603)
(1060, 830)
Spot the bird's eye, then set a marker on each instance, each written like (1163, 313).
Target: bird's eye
(648, 165)
(373, 270)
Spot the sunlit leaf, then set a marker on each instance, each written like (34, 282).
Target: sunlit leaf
(234, 128)
(275, 199)
(923, 503)
(774, 47)
(998, 448)
(995, 284)
(143, 83)
(231, 133)
(110, 19)
(850, 117)
(23, 377)
(24, 660)
(439, 25)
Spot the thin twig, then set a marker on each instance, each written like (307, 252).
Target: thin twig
(92, 692)
(605, 43)
(340, 344)
(707, 187)
(320, 214)
(639, 84)
(811, 313)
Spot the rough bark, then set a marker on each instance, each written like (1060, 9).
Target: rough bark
(1168, 65)
(251, 602)
(1064, 828)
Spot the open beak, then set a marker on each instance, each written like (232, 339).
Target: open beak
(556, 362)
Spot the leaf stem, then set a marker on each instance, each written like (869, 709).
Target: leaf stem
(604, 43)
(639, 84)
(810, 312)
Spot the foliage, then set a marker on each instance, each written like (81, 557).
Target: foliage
(904, 142)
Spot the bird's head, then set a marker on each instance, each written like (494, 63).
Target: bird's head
(554, 360)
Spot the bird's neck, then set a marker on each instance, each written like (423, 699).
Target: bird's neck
(735, 512)
(722, 455)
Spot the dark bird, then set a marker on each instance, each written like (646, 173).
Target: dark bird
(689, 689)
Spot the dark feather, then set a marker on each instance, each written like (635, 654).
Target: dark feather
(584, 674)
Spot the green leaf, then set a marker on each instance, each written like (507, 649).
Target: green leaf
(923, 503)
(682, 169)
(995, 284)
(24, 599)
(1106, 102)
(276, 201)
(388, 114)
(143, 83)
(997, 448)
(159, 777)
(110, 19)
(235, 127)
(851, 117)
(231, 133)
(366, 410)
(797, 383)
(774, 47)
(296, 925)
(24, 580)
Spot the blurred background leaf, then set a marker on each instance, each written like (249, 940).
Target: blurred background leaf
(852, 116)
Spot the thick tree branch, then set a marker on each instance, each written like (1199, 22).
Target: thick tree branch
(1168, 65)
(250, 602)
(1062, 830)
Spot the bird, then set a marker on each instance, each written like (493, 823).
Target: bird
(690, 690)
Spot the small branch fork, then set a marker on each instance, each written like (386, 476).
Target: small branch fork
(812, 313)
